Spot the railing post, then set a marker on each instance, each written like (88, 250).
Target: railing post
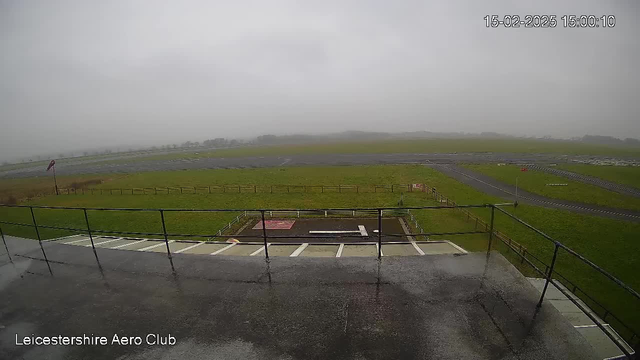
(379, 233)
(5, 244)
(86, 219)
(493, 209)
(35, 225)
(264, 236)
(546, 284)
(166, 240)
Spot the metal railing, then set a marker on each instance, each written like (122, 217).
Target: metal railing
(548, 273)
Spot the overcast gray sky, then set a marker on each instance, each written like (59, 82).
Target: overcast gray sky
(79, 74)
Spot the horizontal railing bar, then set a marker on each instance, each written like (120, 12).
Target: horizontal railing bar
(18, 224)
(602, 271)
(593, 318)
(59, 228)
(572, 252)
(236, 210)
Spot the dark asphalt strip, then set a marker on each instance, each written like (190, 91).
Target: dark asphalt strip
(494, 187)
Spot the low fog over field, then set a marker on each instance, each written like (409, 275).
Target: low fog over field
(85, 74)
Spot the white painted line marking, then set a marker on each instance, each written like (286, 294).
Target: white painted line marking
(299, 250)
(223, 249)
(587, 326)
(189, 247)
(63, 238)
(125, 245)
(417, 248)
(339, 253)
(363, 231)
(457, 247)
(381, 253)
(259, 250)
(105, 242)
(155, 246)
(334, 232)
(285, 161)
(76, 241)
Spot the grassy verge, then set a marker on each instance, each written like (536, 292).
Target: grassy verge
(627, 175)
(536, 182)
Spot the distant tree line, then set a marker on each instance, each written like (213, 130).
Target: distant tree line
(610, 140)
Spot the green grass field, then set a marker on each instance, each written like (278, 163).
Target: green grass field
(627, 175)
(405, 146)
(606, 242)
(536, 182)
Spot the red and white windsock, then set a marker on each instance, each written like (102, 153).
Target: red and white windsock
(51, 164)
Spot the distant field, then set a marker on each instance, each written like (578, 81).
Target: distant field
(406, 146)
(536, 182)
(607, 242)
(627, 175)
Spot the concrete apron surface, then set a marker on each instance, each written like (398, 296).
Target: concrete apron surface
(419, 307)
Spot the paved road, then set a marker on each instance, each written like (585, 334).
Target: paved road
(591, 180)
(417, 307)
(137, 165)
(495, 187)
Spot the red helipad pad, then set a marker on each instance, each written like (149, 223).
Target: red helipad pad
(275, 224)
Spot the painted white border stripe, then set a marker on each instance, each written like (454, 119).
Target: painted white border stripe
(259, 250)
(339, 253)
(363, 231)
(299, 250)
(63, 238)
(587, 326)
(417, 248)
(155, 246)
(129, 244)
(457, 247)
(334, 232)
(223, 249)
(76, 241)
(105, 242)
(189, 247)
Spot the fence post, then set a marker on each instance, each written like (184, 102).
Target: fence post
(166, 239)
(35, 225)
(493, 208)
(272, 189)
(5, 244)
(379, 233)
(546, 284)
(86, 219)
(255, 189)
(264, 236)
(357, 189)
